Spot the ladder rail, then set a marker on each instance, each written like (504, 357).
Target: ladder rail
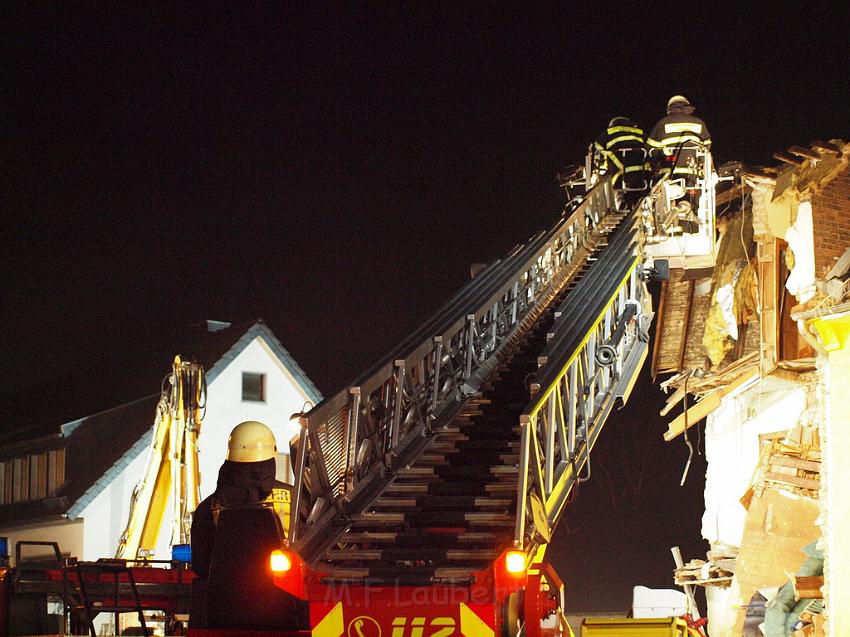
(423, 381)
(595, 353)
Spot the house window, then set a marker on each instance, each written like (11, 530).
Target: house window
(34, 476)
(253, 386)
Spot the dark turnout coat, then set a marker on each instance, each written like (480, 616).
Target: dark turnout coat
(674, 140)
(239, 484)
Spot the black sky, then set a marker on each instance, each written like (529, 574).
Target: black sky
(335, 168)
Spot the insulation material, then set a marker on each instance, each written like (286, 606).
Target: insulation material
(761, 195)
(779, 214)
(734, 303)
(800, 238)
(732, 450)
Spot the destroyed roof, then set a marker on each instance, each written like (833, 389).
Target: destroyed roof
(685, 307)
(683, 311)
(766, 207)
(804, 169)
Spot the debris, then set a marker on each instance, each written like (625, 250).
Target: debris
(807, 586)
(706, 573)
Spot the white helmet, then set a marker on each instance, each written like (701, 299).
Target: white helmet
(251, 441)
(677, 100)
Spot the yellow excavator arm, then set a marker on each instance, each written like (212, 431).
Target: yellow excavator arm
(171, 471)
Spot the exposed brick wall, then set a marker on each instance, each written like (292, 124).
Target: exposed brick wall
(831, 220)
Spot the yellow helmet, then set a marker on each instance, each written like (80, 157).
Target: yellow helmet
(251, 441)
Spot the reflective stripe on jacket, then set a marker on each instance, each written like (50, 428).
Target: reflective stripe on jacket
(678, 130)
(621, 149)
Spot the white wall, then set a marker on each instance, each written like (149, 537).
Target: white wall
(226, 409)
(69, 536)
(106, 516)
(732, 450)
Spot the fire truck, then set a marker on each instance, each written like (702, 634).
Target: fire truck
(426, 492)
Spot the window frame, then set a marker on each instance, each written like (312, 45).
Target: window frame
(262, 394)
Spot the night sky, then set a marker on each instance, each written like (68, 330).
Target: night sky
(335, 169)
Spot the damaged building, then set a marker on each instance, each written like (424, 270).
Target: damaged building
(754, 346)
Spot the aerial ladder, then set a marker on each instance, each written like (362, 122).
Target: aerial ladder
(427, 491)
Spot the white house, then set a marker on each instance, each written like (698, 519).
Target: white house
(71, 456)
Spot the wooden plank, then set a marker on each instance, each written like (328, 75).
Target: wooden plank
(826, 147)
(786, 158)
(807, 586)
(704, 407)
(795, 463)
(801, 151)
(674, 399)
(797, 481)
(693, 415)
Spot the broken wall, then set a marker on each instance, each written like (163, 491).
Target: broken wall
(732, 450)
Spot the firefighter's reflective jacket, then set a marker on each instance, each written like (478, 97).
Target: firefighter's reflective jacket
(674, 141)
(620, 151)
(239, 484)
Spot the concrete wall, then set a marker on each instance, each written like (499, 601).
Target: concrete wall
(834, 333)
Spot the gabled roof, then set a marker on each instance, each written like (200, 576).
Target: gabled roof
(109, 416)
(48, 408)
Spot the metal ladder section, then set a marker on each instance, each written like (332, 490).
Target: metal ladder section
(361, 445)
(452, 511)
(594, 353)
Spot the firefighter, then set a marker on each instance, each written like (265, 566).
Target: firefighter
(621, 152)
(247, 477)
(674, 142)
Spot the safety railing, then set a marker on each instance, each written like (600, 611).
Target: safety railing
(596, 347)
(356, 437)
(678, 213)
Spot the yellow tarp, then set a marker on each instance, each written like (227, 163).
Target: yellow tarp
(733, 303)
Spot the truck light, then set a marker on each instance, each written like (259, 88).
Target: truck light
(280, 561)
(515, 562)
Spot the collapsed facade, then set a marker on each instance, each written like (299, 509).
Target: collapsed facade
(757, 345)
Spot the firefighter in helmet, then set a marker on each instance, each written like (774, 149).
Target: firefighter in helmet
(674, 142)
(621, 152)
(246, 478)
